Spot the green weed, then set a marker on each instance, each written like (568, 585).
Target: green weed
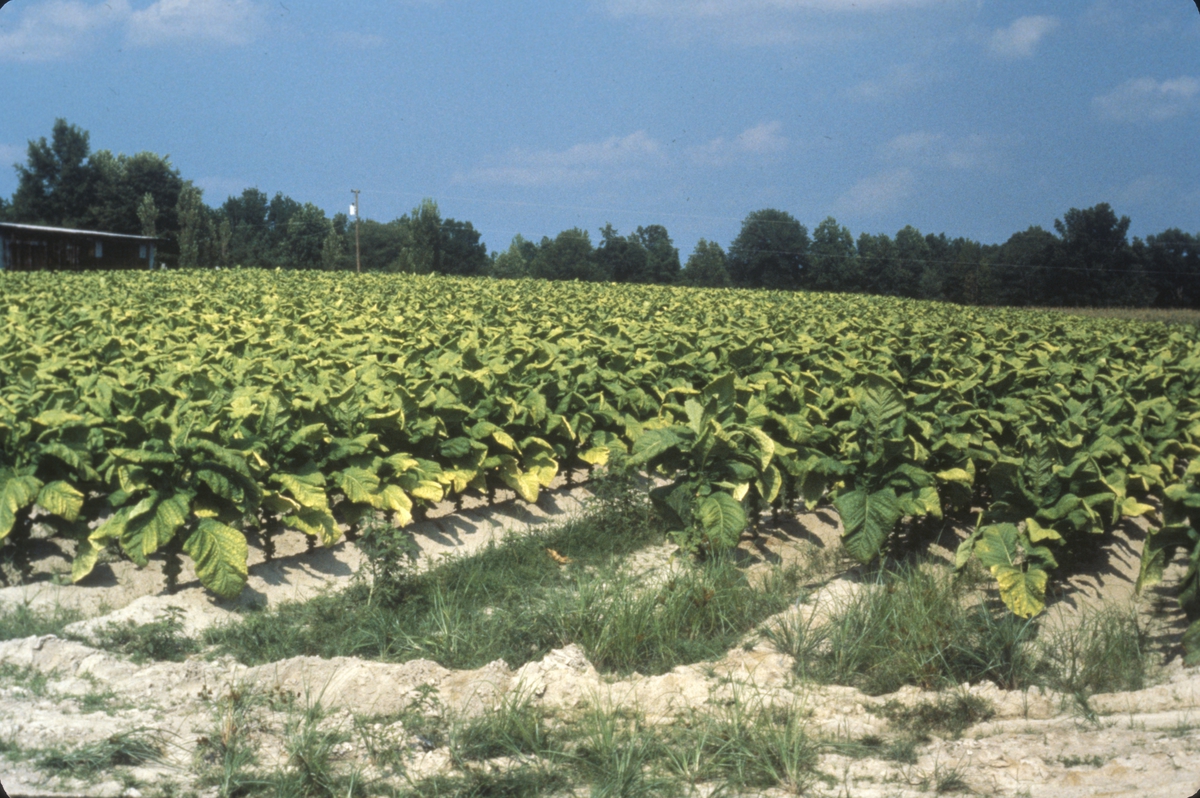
(914, 625)
(131, 748)
(1102, 651)
(161, 639)
(21, 620)
(951, 714)
(517, 602)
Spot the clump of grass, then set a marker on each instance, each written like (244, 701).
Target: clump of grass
(516, 601)
(513, 728)
(615, 752)
(1103, 651)
(747, 744)
(951, 714)
(310, 773)
(915, 625)
(22, 620)
(161, 639)
(129, 749)
(524, 781)
(227, 753)
(1081, 761)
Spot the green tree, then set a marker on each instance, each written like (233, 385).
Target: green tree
(955, 272)
(336, 254)
(662, 258)
(1020, 265)
(56, 186)
(516, 261)
(380, 245)
(421, 252)
(706, 266)
(191, 212)
(833, 265)
(876, 256)
(915, 275)
(147, 213)
(568, 256)
(462, 251)
(1171, 261)
(1094, 263)
(224, 241)
(619, 258)
(770, 251)
(122, 183)
(250, 238)
(304, 237)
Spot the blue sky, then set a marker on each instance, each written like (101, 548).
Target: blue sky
(969, 117)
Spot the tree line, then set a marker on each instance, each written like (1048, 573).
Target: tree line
(1087, 260)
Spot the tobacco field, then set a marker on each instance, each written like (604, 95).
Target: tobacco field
(176, 414)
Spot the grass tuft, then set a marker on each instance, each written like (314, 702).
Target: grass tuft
(161, 639)
(21, 620)
(914, 625)
(516, 602)
(130, 749)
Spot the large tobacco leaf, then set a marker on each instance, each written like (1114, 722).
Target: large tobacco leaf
(313, 401)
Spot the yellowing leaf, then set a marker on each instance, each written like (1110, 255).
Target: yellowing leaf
(59, 498)
(219, 553)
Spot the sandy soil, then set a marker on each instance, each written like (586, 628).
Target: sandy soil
(1144, 743)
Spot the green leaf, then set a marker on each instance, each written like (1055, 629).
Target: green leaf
(17, 493)
(59, 498)
(654, 443)
(219, 553)
(596, 455)
(722, 519)
(315, 522)
(723, 389)
(147, 533)
(504, 439)
(87, 553)
(395, 499)
(307, 488)
(868, 518)
(56, 418)
(880, 402)
(143, 457)
(1158, 549)
(770, 484)
(526, 485)
(358, 484)
(1022, 586)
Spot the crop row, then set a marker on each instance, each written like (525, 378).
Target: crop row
(177, 412)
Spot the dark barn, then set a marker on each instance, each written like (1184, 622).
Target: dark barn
(28, 247)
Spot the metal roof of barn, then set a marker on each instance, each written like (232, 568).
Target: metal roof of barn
(37, 228)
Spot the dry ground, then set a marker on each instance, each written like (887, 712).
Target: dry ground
(1145, 743)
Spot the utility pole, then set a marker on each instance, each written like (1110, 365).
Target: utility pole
(357, 252)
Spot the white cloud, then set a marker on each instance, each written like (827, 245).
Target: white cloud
(733, 8)
(764, 139)
(60, 29)
(923, 148)
(877, 194)
(1146, 99)
(1144, 190)
(759, 22)
(11, 154)
(53, 30)
(621, 156)
(1022, 37)
(222, 21)
(898, 80)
